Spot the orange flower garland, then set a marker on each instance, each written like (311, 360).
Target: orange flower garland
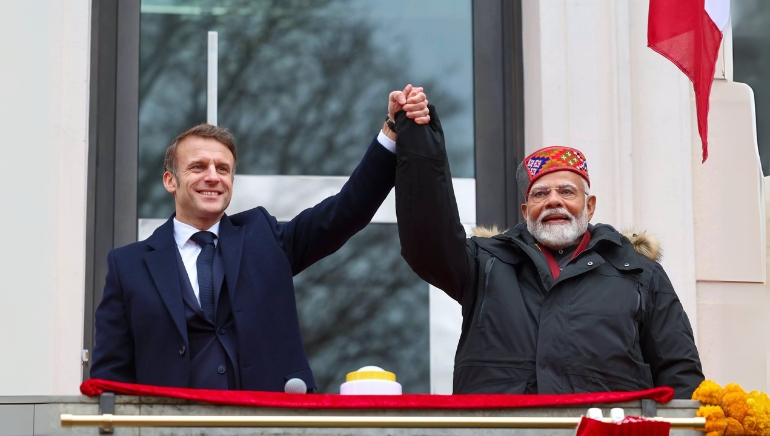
(734, 427)
(757, 421)
(732, 411)
(734, 402)
(716, 423)
(709, 393)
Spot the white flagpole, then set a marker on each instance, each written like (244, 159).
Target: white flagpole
(211, 92)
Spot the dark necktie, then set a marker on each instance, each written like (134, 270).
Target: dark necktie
(205, 265)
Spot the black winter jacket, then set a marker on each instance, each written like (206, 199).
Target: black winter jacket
(610, 322)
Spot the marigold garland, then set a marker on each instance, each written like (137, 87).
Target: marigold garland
(734, 427)
(709, 393)
(757, 421)
(735, 406)
(716, 423)
(732, 411)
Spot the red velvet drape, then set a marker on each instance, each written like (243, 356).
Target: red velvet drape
(95, 387)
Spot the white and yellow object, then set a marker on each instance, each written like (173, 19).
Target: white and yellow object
(370, 380)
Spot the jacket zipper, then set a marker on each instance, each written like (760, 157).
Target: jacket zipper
(639, 313)
(638, 298)
(487, 269)
(639, 307)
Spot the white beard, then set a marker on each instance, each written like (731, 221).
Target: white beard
(558, 236)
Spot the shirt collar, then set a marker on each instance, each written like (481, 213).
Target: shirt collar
(183, 232)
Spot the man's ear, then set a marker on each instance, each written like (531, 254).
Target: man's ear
(524, 210)
(169, 182)
(591, 206)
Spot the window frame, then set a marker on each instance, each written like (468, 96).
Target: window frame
(114, 129)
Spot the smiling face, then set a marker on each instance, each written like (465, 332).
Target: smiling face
(558, 210)
(203, 188)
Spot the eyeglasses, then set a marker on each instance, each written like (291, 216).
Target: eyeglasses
(567, 193)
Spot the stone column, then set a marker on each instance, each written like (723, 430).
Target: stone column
(44, 109)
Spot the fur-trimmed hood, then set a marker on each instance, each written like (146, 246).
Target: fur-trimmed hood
(643, 242)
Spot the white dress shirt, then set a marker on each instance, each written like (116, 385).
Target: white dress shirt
(189, 249)
(386, 142)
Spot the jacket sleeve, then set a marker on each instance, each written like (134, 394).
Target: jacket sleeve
(113, 356)
(322, 229)
(432, 239)
(667, 340)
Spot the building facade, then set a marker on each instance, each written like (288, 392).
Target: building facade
(92, 92)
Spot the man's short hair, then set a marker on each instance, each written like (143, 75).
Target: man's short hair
(201, 131)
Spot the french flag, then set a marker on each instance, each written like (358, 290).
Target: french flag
(688, 33)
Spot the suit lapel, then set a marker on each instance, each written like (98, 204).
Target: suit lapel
(231, 240)
(162, 263)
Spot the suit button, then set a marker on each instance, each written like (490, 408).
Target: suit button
(182, 349)
(221, 331)
(221, 369)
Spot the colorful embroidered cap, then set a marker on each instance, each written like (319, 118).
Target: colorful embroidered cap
(549, 160)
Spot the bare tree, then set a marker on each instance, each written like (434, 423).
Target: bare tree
(302, 90)
(364, 306)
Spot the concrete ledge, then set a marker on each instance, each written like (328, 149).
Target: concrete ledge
(43, 417)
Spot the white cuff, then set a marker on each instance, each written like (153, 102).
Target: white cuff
(386, 142)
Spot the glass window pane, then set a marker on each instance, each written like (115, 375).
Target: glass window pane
(364, 306)
(303, 85)
(751, 63)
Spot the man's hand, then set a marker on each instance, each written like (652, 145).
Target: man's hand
(416, 106)
(397, 100)
(412, 100)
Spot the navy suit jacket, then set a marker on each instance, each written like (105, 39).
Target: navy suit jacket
(141, 332)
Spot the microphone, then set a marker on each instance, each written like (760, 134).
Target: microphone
(295, 386)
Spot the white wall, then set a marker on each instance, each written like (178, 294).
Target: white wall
(731, 244)
(43, 115)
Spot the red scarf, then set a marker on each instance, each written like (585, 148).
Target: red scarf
(555, 271)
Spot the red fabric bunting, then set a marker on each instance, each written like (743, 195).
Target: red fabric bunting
(95, 387)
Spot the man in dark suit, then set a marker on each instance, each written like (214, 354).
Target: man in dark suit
(207, 301)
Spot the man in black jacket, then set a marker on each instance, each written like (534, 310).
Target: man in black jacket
(555, 305)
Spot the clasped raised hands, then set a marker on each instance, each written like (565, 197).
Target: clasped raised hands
(413, 101)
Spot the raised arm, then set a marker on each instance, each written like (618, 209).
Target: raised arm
(432, 238)
(321, 230)
(324, 228)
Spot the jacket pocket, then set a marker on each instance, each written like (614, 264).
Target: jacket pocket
(589, 384)
(484, 290)
(491, 379)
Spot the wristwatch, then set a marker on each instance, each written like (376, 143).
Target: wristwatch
(391, 124)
